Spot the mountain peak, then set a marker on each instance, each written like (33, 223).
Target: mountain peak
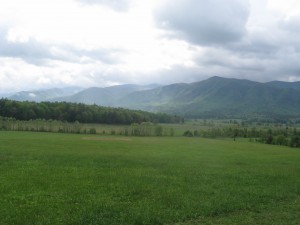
(216, 78)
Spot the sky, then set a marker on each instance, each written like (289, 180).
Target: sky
(58, 43)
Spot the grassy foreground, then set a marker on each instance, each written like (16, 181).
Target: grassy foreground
(76, 179)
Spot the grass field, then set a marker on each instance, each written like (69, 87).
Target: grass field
(48, 178)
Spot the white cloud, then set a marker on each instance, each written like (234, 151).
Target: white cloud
(97, 42)
(288, 8)
(119, 5)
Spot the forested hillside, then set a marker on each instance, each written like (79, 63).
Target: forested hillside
(72, 112)
(219, 97)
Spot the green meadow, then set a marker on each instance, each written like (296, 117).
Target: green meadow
(77, 179)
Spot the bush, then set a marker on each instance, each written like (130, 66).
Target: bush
(93, 131)
(188, 133)
(158, 130)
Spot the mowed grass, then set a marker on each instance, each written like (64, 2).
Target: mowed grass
(76, 179)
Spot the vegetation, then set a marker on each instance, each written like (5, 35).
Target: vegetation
(270, 133)
(218, 97)
(66, 179)
(72, 112)
(123, 167)
(40, 125)
(275, 134)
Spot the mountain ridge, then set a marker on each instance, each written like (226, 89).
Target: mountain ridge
(222, 96)
(214, 97)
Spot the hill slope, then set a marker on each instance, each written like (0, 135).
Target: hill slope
(282, 84)
(218, 97)
(109, 96)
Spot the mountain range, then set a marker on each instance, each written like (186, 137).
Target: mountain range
(44, 95)
(215, 97)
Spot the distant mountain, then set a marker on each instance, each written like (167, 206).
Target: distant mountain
(215, 97)
(218, 97)
(108, 96)
(282, 84)
(44, 95)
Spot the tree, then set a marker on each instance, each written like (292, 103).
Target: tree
(82, 113)
(158, 130)
(295, 141)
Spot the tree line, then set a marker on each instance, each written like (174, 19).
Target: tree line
(42, 125)
(287, 136)
(71, 112)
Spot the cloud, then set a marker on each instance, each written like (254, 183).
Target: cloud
(80, 42)
(118, 5)
(234, 39)
(17, 75)
(30, 50)
(292, 27)
(274, 46)
(257, 62)
(39, 53)
(80, 55)
(204, 22)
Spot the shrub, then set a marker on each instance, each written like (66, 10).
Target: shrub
(93, 131)
(188, 133)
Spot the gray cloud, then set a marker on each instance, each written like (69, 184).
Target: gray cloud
(292, 25)
(177, 74)
(205, 22)
(119, 5)
(38, 53)
(281, 64)
(231, 49)
(263, 51)
(180, 74)
(31, 50)
(73, 54)
(276, 49)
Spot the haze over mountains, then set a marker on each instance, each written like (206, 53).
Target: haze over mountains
(109, 96)
(44, 95)
(214, 97)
